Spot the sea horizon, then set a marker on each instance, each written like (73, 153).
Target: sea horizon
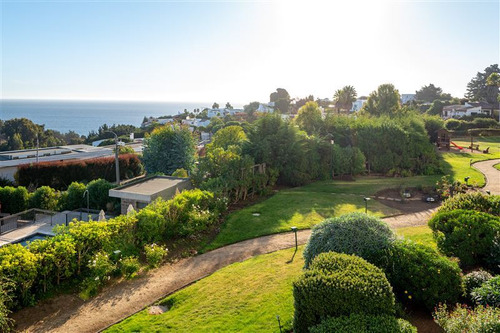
(84, 116)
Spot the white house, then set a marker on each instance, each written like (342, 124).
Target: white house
(407, 98)
(266, 108)
(222, 112)
(358, 104)
(196, 122)
(468, 109)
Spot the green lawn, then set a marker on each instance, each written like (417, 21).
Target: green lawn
(497, 166)
(242, 297)
(308, 205)
(421, 234)
(458, 164)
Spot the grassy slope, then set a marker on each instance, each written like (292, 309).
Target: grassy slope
(497, 166)
(243, 297)
(308, 205)
(420, 234)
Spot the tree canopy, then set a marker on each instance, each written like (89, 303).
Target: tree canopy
(344, 98)
(228, 136)
(309, 118)
(281, 100)
(169, 148)
(430, 93)
(384, 101)
(478, 88)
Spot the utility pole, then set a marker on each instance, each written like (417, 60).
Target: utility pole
(117, 164)
(37, 147)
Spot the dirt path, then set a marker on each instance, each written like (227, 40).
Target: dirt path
(68, 313)
(491, 174)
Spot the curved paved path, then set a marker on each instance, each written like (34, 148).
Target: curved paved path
(124, 299)
(491, 174)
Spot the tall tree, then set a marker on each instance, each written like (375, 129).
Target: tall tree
(384, 101)
(215, 105)
(309, 118)
(344, 98)
(26, 131)
(281, 100)
(228, 105)
(429, 93)
(169, 148)
(479, 90)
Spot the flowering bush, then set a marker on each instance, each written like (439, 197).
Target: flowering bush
(155, 254)
(447, 188)
(462, 319)
(101, 268)
(129, 267)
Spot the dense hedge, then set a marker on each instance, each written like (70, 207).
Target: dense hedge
(360, 323)
(468, 235)
(420, 275)
(354, 233)
(59, 175)
(15, 200)
(339, 284)
(473, 201)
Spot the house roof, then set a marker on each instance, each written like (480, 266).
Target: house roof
(456, 107)
(483, 105)
(146, 189)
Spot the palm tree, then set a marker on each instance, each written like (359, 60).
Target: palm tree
(344, 98)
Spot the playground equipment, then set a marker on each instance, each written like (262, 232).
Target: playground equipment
(443, 139)
(454, 144)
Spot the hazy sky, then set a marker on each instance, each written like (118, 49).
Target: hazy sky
(240, 51)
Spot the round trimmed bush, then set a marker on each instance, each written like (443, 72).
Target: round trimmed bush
(488, 293)
(466, 234)
(339, 284)
(474, 280)
(364, 324)
(419, 274)
(473, 201)
(354, 233)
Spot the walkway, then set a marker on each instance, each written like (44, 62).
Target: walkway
(68, 313)
(491, 174)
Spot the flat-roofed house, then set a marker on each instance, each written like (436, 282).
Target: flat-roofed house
(142, 192)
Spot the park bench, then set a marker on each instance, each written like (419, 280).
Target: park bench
(486, 151)
(474, 147)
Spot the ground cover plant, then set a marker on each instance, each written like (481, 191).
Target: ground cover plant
(463, 319)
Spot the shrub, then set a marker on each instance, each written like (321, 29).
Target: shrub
(13, 200)
(419, 274)
(20, 266)
(354, 233)
(5, 299)
(155, 254)
(192, 211)
(364, 324)
(44, 198)
(181, 173)
(99, 194)
(462, 319)
(73, 197)
(101, 267)
(466, 234)
(129, 267)
(488, 293)
(340, 284)
(152, 224)
(473, 201)
(474, 280)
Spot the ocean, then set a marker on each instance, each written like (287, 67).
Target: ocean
(85, 116)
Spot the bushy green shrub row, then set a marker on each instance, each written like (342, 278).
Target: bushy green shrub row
(59, 175)
(360, 323)
(463, 125)
(185, 214)
(17, 199)
(418, 273)
(462, 319)
(353, 233)
(473, 201)
(94, 251)
(468, 235)
(340, 284)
